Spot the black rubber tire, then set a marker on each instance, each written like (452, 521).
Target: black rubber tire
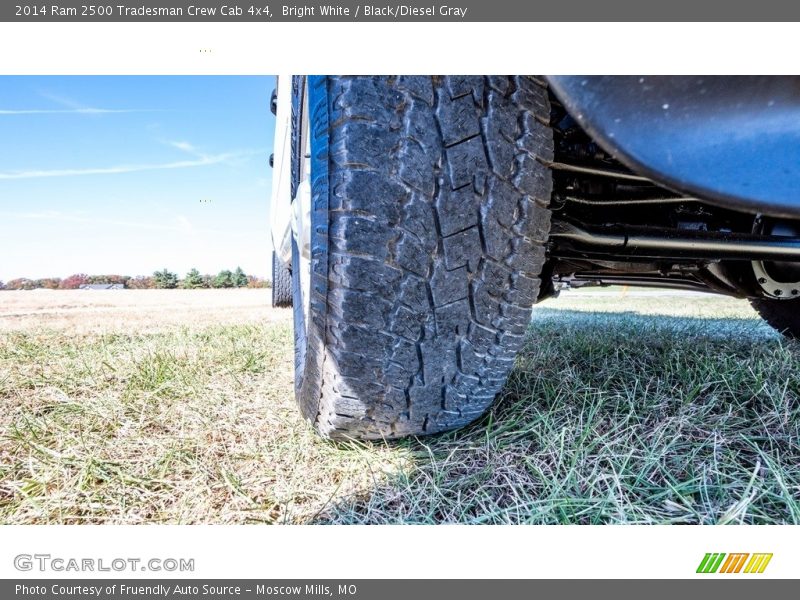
(281, 284)
(429, 221)
(783, 315)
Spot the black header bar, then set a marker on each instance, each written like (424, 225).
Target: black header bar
(197, 11)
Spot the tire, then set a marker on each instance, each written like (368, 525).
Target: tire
(783, 315)
(428, 220)
(281, 284)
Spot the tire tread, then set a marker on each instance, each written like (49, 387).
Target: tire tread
(281, 284)
(437, 219)
(782, 315)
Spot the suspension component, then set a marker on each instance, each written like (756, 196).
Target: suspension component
(669, 243)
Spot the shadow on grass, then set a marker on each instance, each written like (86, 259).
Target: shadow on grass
(615, 417)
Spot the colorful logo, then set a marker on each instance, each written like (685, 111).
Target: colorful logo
(719, 562)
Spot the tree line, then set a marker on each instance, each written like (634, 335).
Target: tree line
(164, 279)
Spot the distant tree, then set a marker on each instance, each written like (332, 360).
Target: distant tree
(73, 282)
(140, 282)
(21, 283)
(208, 281)
(107, 279)
(123, 279)
(239, 278)
(2, 285)
(165, 279)
(257, 282)
(224, 279)
(48, 283)
(193, 279)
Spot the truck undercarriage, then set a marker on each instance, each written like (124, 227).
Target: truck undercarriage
(613, 226)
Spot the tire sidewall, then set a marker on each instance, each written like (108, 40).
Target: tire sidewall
(309, 337)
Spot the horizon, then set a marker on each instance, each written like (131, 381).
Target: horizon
(122, 175)
(135, 275)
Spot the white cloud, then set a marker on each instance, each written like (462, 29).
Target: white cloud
(74, 111)
(64, 101)
(185, 147)
(184, 225)
(72, 107)
(201, 161)
(181, 223)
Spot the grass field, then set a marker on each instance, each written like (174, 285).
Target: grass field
(176, 407)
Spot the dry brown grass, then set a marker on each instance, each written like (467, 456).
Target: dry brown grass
(84, 311)
(177, 407)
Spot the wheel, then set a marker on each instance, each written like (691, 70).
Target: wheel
(420, 231)
(778, 281)
(783, 315)
(281, 283)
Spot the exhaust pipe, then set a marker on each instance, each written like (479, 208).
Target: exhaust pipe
(669, 243)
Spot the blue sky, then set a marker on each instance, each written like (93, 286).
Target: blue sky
(132, 174)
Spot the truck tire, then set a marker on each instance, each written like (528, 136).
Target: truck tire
(428, 222)
(281, 284)
(783, 315)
